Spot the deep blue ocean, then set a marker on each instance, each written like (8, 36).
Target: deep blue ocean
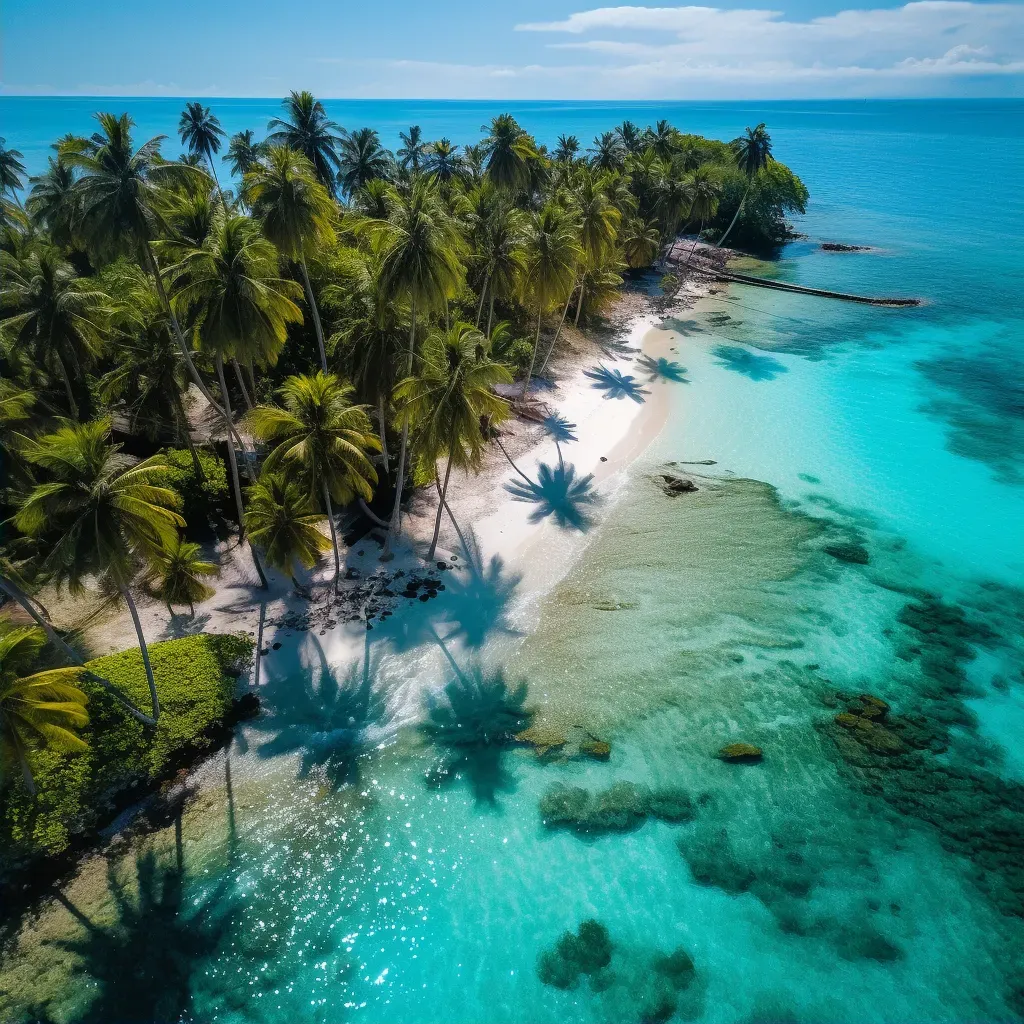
(861, 531)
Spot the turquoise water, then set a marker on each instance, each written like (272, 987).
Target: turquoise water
(367, 872)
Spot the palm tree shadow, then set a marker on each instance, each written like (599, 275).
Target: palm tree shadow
(559, 428)
(743, 361)
(664, 369)
(185, 625)
(330, 722)
(475, 722)
(616, 384)
(146, 962)
(558, 493)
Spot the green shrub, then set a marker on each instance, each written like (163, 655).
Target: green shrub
(515, 354)
(200, 498)
(195, 681)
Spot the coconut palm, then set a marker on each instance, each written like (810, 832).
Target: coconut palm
(552, 251)
(413, 149)
(607, 153)
(119, 200)
(97, 515)
(57, 316)
(176, 575)
(444, 401)
(509, 151)
(361, 159)
(663, 139)
(282, 520)
(752, 151)
(37, 709)
(703, 191)
(421, 265)
(442, 161)
(243, 152)
(371, 201)
(630, 137)
(640, 242)
(53, 202)
(320, 439)
(12, 170)
(308, 130)
(499, 253)
(16, 404)
(201, 132)
(567, 148)
(295, 212)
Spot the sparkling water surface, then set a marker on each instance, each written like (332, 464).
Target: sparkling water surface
(362, 870)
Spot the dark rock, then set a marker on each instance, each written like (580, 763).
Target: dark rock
(671, 804)
(740, 753)
(673, 485)
(677, 967)
(842, 247)
(596, 749)
(856, 554)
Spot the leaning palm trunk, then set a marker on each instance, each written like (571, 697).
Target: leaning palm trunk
(694, 247)
(533, 360)
(383, 432)
(483, 292)
(329, 509)
(186, 433)
(15, 593)
(241, 384)
(235, 483)
(396, 511)
(490, 314)
(736, 215)
(126, 594)
(579, 302)
(442, 501)
(558, 331)
(315, 311)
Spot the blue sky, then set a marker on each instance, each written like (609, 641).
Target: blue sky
(522, 50)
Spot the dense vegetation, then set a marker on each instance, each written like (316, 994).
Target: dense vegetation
(335, 323)
(78, 790)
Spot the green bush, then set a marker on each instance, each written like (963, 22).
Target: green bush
(200, 499)
(195, 681)
(515, 354)
(775, 192)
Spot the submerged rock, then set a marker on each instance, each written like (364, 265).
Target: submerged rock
(671, 804)
(740, 753)
(857, 554)
(673, 485)
(544, 740)
(587, 951)
(597, 750)
(620, 808)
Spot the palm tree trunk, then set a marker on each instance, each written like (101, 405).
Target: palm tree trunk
(13, 591)
(451, 515)
(126, 594)
(490, 314)
(558, 331)
(533, 360)
(735, 216)
(511, 463)
(186, 432)
(383, 436)
(579, 302)
(241, 384)
(72, 404)
(396, 511)
(329, 508)
(223, 198)
(480, 304)
(315, 311)
(441, 503)
(235, 482)
(693, 248)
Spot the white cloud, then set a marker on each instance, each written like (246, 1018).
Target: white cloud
(856, 50)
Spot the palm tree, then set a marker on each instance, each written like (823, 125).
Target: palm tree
(12, 170)
(442, 161)
(640, 242)
(663, 139)
(752, 151)
(119, 199)
(309, 131)
(321, 438)
(58, 317)
(509, 150)
(243, 153)
(201, 132)
(567, 148)
(552, 253)
(97, 515)
(421, 264)
(703, 191)
(371, 335)
(361, 159)
(413, 149)
(280, 517)
(630, 137)
(176, 575)
(38, 709)
(16, 404)
(53, 202)
(444, 401)
(295, 212)
(607, 153)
